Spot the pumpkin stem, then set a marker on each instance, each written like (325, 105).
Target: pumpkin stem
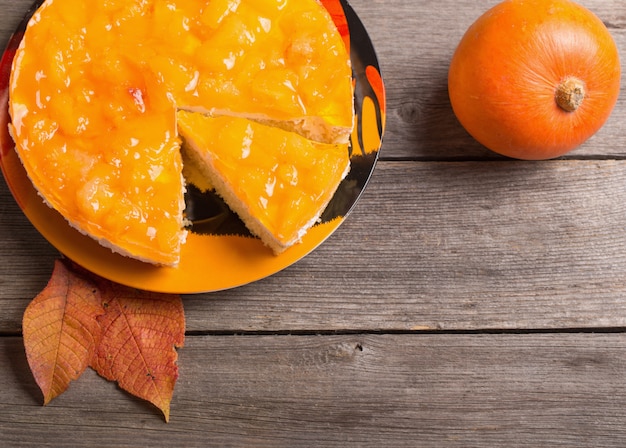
(570, 94)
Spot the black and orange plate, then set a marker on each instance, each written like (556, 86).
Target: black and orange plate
(219, 253)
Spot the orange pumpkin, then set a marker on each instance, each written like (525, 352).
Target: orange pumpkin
(534, 79)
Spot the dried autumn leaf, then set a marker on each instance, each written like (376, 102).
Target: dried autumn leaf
(60, 330)
(140, 331)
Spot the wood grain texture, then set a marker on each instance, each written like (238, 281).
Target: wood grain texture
(456, 246)
(13, 12)
(366, 391)
(415, 40)
(455, 307)
(449, 245)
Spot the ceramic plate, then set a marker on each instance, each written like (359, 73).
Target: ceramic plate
(219, 253)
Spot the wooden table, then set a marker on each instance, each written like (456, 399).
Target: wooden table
(468, 300)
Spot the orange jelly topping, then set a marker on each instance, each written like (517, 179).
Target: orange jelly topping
(95, 87)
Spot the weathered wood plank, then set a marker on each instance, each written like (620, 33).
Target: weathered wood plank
(365, 390)
(452, 246)
(12, 13)
(415, 41)
(463, 246)
(455, 246)
(27, 260)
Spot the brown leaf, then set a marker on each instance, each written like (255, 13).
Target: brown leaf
(60, 330)
(140, 331)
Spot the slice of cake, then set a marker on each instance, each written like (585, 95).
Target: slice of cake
(278, 182)
(95, 87)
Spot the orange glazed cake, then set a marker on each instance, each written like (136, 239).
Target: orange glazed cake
(95, 88)
(278, 182)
